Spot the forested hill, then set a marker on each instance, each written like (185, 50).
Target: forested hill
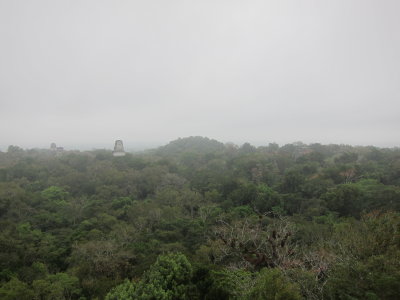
(193, 144)
(199, 219)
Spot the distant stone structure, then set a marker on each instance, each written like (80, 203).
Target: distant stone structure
(53, 147)
(118, 148)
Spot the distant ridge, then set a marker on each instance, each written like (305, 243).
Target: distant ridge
(196, 144)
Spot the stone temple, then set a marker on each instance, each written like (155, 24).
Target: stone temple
(53, 147)
(118, 148)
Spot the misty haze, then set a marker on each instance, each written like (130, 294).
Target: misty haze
(86, 73)
(168, 150)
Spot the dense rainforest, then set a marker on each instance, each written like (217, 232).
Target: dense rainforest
(199, 219)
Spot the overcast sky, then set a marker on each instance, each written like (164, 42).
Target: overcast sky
(83, 73)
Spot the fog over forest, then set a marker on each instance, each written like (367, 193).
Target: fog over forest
(84, 73)
(199, 150)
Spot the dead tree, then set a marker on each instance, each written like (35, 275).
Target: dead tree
(254, 244)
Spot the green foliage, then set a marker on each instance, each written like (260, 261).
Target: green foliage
(57, 286)
(271, 284)
(193, 144)
(267, 200)
(346, 157)
(124, 291)
(292, 181)
(15, 289)
(228, 284)
(369, 254)
(168, 278)
(78, 223)
(346, 199)
(54, 193)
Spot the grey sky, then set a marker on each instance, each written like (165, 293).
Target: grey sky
(84, 73)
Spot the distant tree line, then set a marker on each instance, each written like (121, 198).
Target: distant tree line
(199, 219)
